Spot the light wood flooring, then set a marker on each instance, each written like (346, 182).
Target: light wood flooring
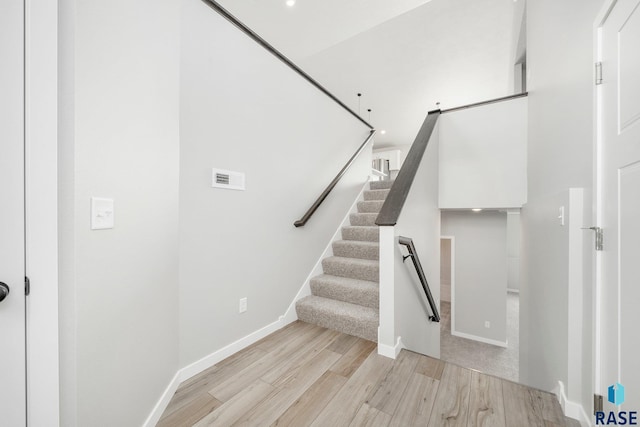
(305, 375)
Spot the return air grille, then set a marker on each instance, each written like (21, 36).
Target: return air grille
(227, 179)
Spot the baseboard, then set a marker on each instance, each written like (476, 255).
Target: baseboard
(391, 351)
(207, 362)
(305, 290)
(162, 404)
(513, 291)
(571, 409)
(503, 344)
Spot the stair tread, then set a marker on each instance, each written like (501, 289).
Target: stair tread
(379, 185)
(354, 291)
(341, 308)
(370, 206)
(348, 281)
(347, 260)
(372, 195)
(357, 243)
(363, 219)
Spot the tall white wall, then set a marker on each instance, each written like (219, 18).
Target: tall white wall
(560, 83)
(483, 156)
(404, 309)
(242, 109)
(119, 99)
(480, 290)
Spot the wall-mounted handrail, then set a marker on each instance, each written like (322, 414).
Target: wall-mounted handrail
(490, 101)
(262, 42)
(302, 221)
(399, 191)
(413, 254)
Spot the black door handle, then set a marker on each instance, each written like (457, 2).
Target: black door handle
(4, 291)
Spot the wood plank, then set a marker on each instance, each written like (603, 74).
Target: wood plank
(391, 389)
(353, 358)
(307, 407)
(520, 406)
(346, 403)
(190, 414)
(370, 417)
(430, 367)
(289, 332)
(549, 407)
(416, 404)
(280, 374)
(451, 407)
(486, 407)
(237, 406)
(225, 390)
(570, 422)
(343, 343)
(278, 401)
(200, 384)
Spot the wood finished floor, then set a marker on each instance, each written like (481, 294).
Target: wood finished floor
(305, 375)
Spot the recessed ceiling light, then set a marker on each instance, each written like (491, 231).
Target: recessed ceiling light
(383, 132)
(476, 209)
(291, 2)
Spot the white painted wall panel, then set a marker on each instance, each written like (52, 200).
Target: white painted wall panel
(483, 161)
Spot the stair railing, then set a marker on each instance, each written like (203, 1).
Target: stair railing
(413, 254)
(302, 221)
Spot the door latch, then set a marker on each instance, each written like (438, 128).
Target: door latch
(599, 236)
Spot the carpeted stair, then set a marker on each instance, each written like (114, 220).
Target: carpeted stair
(345, 297)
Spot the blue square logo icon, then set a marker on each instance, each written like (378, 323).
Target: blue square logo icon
(616, 394)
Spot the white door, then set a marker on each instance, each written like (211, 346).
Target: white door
(619, 203)
(12, 265)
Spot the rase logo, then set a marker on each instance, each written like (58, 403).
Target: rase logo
(615, 395)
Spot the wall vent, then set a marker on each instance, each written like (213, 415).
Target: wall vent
(227, 179)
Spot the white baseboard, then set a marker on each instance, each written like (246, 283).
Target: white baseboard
(305, 290)
(390, 351)
(503, 344)
(571, 409)
(207, 362)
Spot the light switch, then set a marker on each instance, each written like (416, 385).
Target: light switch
(102, 213)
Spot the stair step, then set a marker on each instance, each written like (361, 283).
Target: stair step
(376, 194)
(361, 233)
(363, 218)
(354, 291)
(354, 268)
(380, 185)
(370, 206)
(340, 316)
(356, 249)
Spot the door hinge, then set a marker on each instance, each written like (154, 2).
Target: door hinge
(27, 286)
(599, 236)
(598, 404)
(598, 73)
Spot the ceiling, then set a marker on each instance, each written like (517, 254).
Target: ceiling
(404, 56)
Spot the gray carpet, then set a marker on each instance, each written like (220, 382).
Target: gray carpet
(487, 358)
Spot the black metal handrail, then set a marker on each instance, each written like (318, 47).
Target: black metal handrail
(490, 101)
(262, 42)
(413, 254)
(302, 221)
(399, 191)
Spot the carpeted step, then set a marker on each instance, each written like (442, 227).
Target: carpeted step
(340, 316)
(363, 218)
(356, 249)
(370, 206)
(354, 291)
(361, 233)
(376, 194)
(380, 185)
(354, 268)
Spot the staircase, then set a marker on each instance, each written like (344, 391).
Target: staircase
(345, 298)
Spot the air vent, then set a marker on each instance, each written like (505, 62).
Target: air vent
(228, 179)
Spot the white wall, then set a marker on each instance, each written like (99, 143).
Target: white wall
(480, 291)
(404, 309)
(244, 110)
(483, 156)
(560, 82)
(119, 87)
(514, 244)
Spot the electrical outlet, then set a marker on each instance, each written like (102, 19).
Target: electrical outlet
(242, 307)
(487, 324)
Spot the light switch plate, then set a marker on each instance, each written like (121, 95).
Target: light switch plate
(102, 213)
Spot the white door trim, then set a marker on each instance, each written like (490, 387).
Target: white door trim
(41, 198)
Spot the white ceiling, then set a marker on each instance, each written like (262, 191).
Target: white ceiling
(402, 55)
